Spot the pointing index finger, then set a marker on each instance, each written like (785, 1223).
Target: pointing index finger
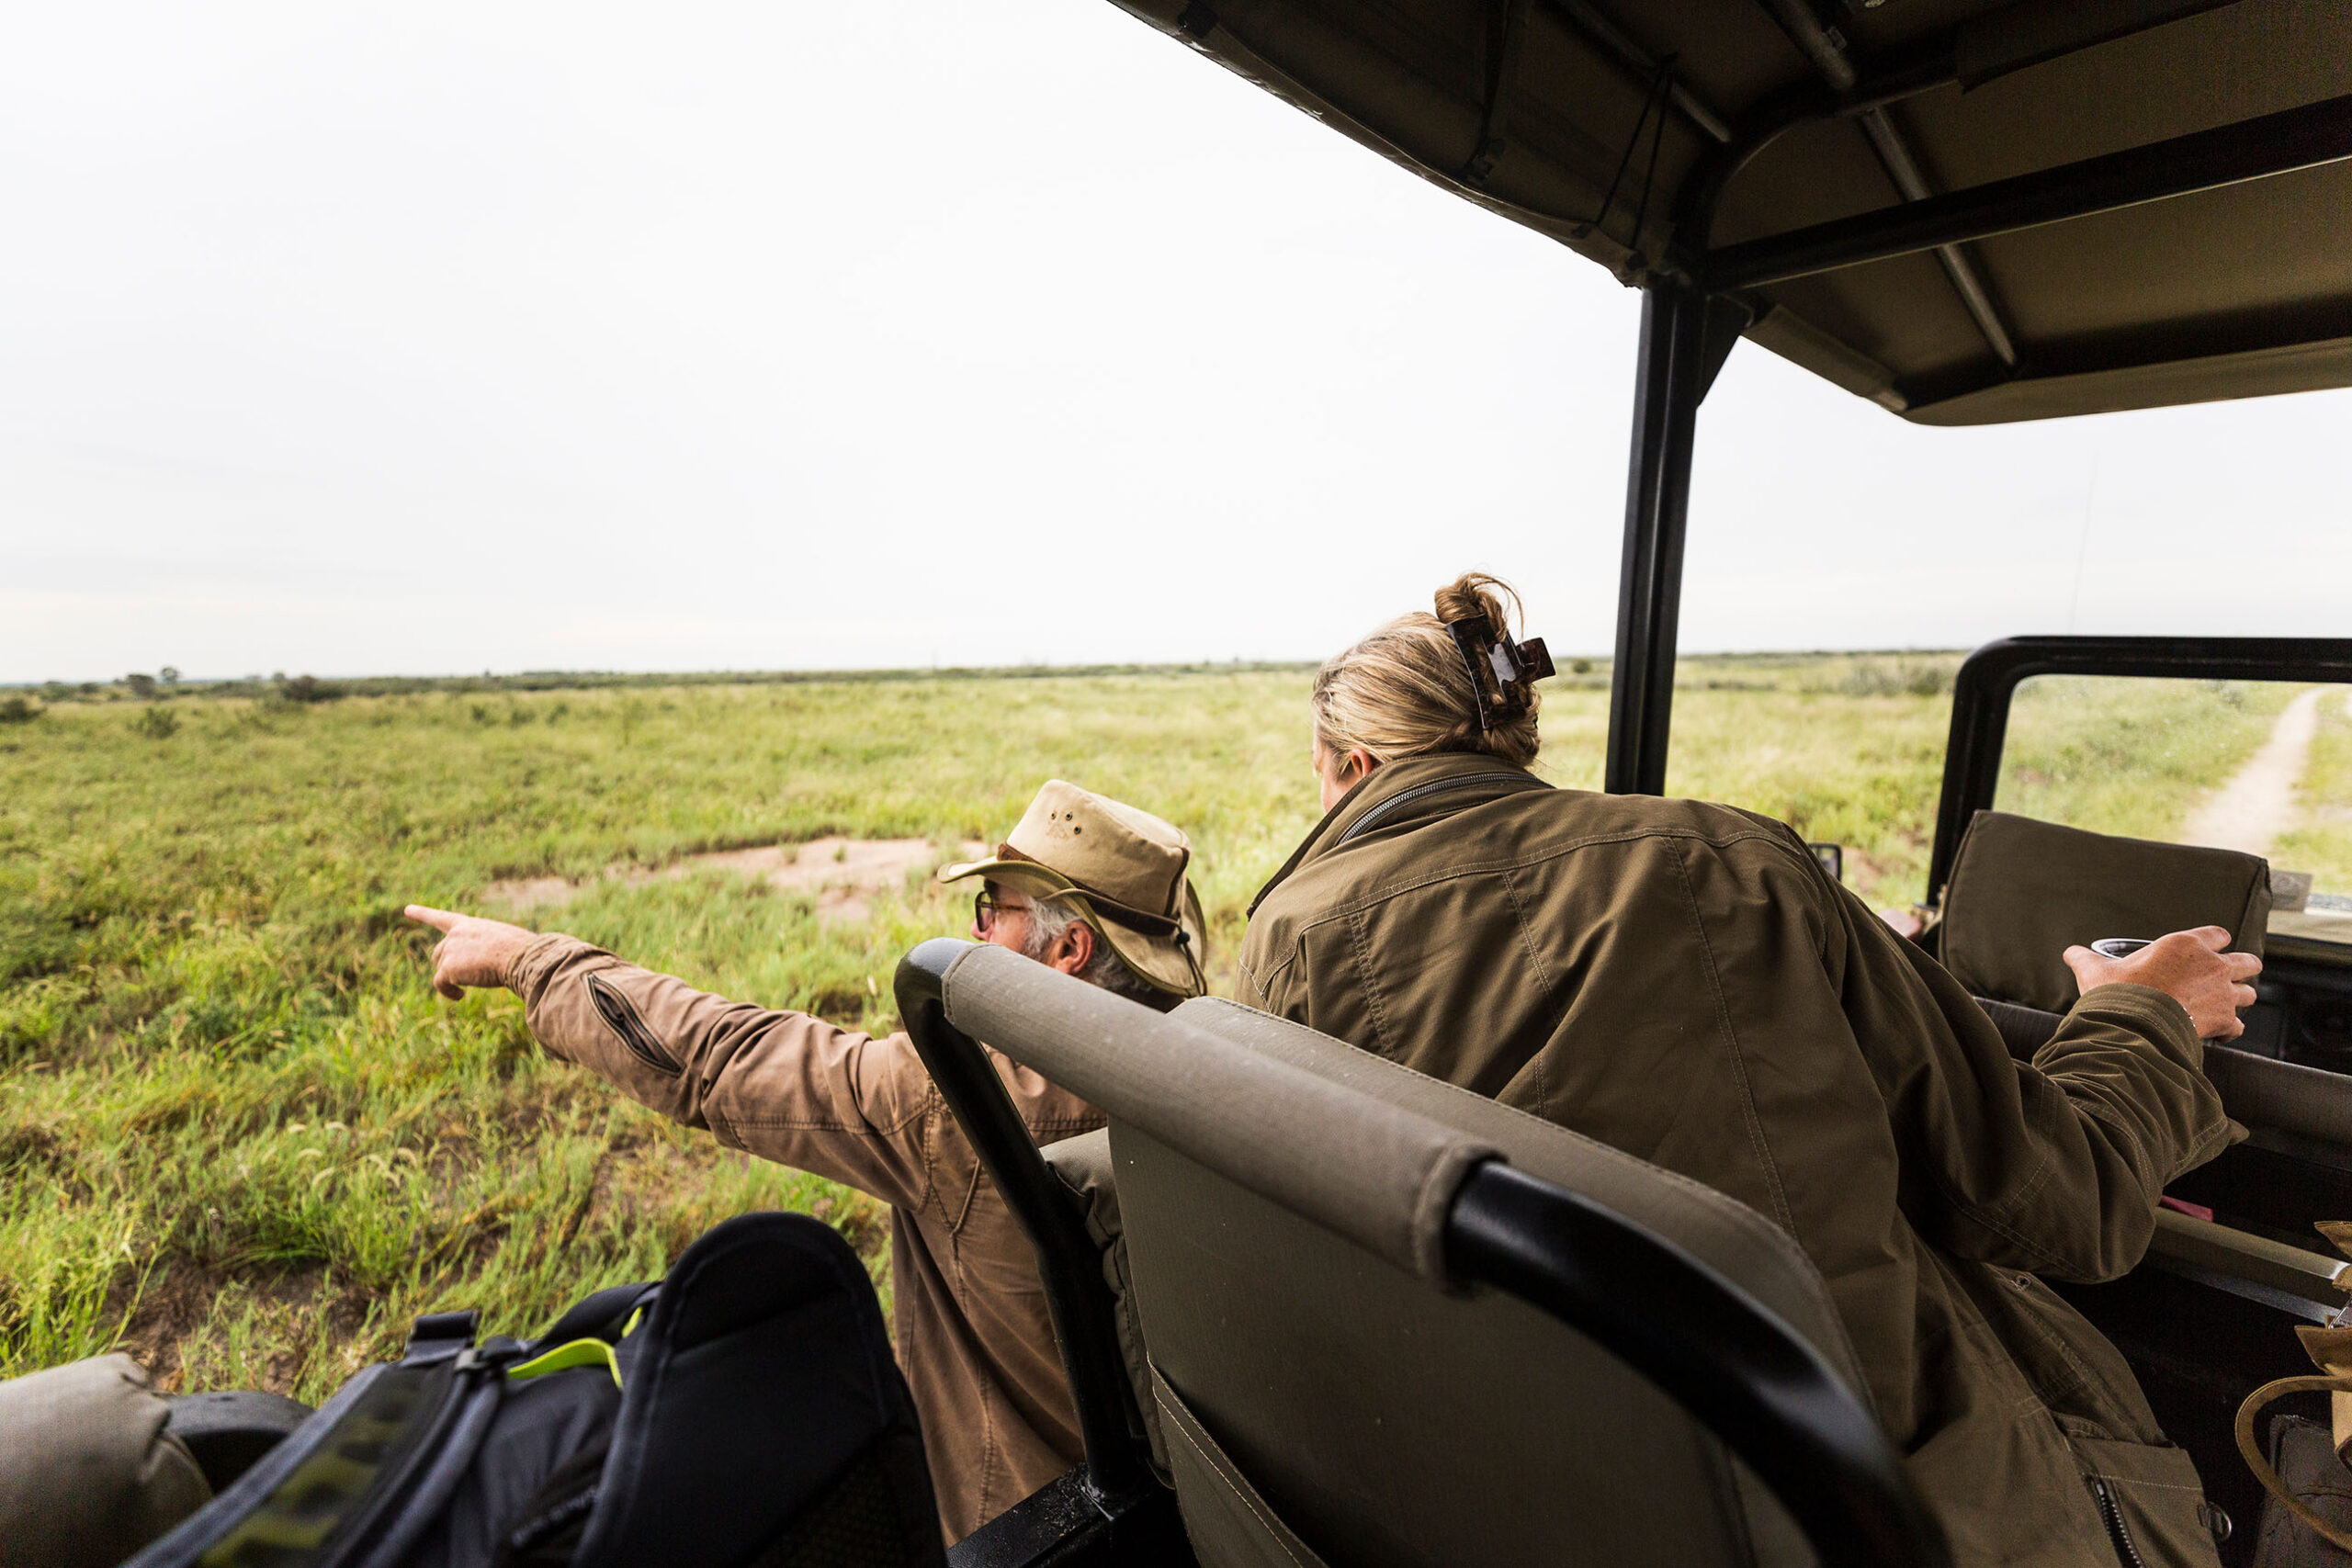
(441, 921)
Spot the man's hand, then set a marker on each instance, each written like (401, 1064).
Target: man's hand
(2190, 967)
(473, 950)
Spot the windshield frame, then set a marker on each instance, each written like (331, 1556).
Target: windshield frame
(1989, 678)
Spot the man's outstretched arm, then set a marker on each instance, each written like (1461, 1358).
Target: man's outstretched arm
(783, 1086)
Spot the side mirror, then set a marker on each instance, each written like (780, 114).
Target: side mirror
(1832, 858)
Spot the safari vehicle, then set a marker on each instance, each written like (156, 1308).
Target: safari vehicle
(1308, 1314)
(1969, 212)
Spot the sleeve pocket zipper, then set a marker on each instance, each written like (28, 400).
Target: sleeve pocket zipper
(623, 1020)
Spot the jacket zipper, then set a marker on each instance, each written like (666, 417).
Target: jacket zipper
(1405, 797)
(622, 1019)
(2111, 1512)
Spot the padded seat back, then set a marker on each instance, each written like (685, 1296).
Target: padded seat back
(2023, 892)
(1403, 1424)
(1326, 1394)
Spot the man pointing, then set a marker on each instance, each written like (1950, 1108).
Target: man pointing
(1084, 885)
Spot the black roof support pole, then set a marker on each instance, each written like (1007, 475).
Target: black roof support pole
(1685, 337)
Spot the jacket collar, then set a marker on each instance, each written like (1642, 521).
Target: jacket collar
(1455, 778)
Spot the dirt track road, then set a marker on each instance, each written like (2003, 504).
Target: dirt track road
(2250, 811)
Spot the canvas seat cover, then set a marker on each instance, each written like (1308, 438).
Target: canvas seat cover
(1314, 1402)
(2023, 891)
(89, 1474)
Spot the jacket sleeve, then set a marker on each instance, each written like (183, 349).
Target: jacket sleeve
(2055, 1165)
(782, 1086)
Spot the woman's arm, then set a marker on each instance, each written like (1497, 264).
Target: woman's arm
(2055, 1164)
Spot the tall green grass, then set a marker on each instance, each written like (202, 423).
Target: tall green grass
(240, 1136)
(2129, 756)
(2322, 842)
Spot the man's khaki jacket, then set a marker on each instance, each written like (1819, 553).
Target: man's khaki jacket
(1684, 982)
(969, 1315)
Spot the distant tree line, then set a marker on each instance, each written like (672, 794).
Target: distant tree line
(167, 683)
(1917, 672)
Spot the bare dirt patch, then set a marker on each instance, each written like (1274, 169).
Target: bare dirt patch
(179, 1302)
(841, 874)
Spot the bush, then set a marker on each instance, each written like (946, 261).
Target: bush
(157, 724)
(1927, 680)
(1872, 678)
(141, 687)
(17, 708)
(309, 689)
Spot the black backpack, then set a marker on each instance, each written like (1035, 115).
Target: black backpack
(745, 1410)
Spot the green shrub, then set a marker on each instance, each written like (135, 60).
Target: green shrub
(309, 689)
(157, 724)
(1906, 678)
(18, 709)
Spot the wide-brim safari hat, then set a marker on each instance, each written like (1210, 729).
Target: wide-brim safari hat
(1124, 869)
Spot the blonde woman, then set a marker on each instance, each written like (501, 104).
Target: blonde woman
(1682, 981)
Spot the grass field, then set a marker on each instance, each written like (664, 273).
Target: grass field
(240, 1136)
(2128, 756)
(2322, 844)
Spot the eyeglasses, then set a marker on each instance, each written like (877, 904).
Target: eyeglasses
(987, 905)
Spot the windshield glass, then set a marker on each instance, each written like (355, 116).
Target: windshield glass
(2262, 766)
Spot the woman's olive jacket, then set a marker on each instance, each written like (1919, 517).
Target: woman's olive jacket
(1683, 981)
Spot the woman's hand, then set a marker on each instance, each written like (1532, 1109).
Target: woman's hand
(473, 950)
(2188, 966)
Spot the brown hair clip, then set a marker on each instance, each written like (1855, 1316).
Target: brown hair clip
(1488, 652)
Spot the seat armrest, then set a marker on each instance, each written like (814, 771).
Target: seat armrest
(2218, 1249)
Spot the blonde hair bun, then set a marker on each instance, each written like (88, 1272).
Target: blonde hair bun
(1476, 593)
(1405, 691)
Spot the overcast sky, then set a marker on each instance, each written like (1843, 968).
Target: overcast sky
(427, 337)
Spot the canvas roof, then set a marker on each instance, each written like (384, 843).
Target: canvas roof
(1653, 135)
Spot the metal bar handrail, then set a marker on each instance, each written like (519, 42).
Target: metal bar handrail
(2255, 149)
(1084, 1315)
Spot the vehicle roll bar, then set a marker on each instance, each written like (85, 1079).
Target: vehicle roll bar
(1118, 1464)
(2302, 138)
(1720, 1353)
